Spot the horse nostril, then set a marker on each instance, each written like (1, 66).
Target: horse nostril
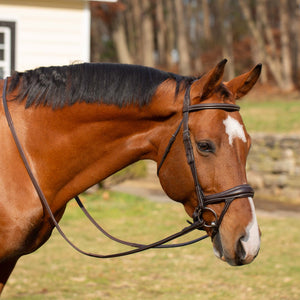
(240, 252)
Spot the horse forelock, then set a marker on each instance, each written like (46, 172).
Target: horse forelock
(223, 91)
(106, 83)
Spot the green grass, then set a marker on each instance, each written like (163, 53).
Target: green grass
(57, 272)
(271, 115)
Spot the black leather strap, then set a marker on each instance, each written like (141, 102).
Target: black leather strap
(204, 106)
(240, 191)
(189, 148)
(172, 140)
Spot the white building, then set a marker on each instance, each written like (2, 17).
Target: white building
(37, 33)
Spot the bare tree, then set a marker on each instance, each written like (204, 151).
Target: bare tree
(119, 38)
(285, 46)
(147, 33)
(161, 31)
(183, 44)
(170, 39)
(277, 59)
(206, 20)
(138, 42)
(186, 36)
(256, 30)
(258, 52)
(297, 35)
(226, 36)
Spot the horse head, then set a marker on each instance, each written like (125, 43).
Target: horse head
(220, 145)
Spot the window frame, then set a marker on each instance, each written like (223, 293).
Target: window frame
(9, 27)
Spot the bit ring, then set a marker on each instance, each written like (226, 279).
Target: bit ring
(199, 217)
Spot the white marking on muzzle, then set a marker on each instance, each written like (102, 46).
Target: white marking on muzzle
(234, 130)
(251, 241)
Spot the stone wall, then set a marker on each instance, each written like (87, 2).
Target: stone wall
(273, 166)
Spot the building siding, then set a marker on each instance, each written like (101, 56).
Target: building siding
(48, 32)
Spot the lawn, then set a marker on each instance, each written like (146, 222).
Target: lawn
(279, 115)
(57, 272)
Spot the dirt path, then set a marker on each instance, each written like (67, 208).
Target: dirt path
(150, 188)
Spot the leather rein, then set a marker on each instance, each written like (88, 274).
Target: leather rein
(227, 196)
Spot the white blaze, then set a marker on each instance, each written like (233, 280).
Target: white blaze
(251, 241)
(234, 130)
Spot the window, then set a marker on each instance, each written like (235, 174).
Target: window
(7, 48)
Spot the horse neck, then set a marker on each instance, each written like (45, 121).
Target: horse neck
(75, 147)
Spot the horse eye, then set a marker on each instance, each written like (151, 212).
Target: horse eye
(206, 146)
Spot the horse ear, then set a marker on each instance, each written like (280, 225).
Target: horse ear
(241, 85)
(208, 82)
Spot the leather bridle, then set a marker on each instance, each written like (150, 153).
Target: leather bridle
(227, 196)
(240, 191)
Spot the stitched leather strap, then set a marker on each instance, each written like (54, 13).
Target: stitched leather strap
(240, 191)
(204, 106)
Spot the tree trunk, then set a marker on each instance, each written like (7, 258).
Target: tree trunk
(147, 34)
(206, 20)
(297, 30)
(161, 32)
(258, 54)
(119, 38)
(294, 12)
(226, 37)
(131, 28)
(285, 47)
(137, 19)
(270, 56)
(183, 44)
(170, 39)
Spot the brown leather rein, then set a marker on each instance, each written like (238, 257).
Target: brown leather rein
(198, 223)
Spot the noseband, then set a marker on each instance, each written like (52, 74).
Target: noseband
(227, 196)
(240, 191)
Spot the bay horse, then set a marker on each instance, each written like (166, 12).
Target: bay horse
(81, 123)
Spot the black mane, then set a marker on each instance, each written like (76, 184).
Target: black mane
(92, 83)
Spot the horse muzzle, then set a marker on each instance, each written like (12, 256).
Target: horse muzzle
(238, 250)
